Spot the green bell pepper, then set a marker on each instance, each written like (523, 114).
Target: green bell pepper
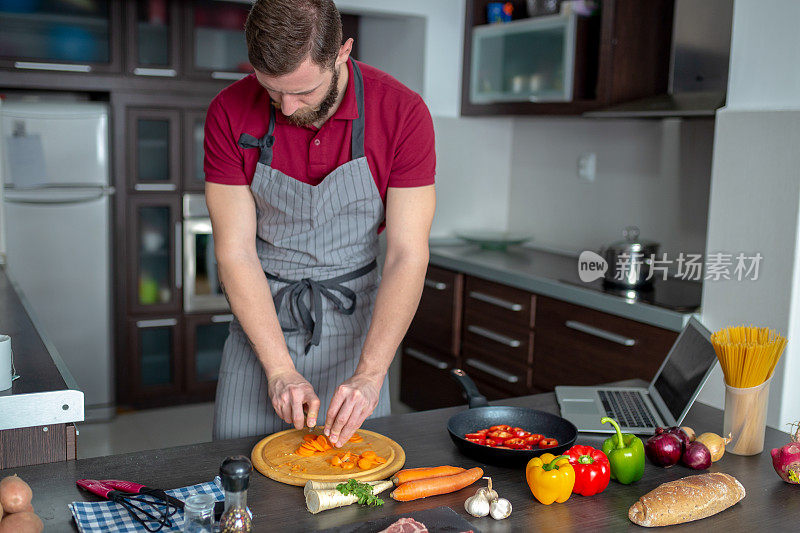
(625, 453)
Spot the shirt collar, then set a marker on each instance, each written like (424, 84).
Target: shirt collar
(348, 108)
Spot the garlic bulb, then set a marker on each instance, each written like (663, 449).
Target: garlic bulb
(487, 491)
(477, 505)
(500, 508)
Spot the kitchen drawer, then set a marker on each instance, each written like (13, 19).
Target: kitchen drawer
(425, 382)
(580, 346)
(489, 339)
(514, 378)
(437, 323)
(506, 304)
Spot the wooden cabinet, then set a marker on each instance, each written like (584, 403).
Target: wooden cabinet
(215, 46)
(153, 149)
(154, 265)
(565, 64)
(205, 338)
(513, 342)
(61, 36)
(580, 346)
(194, 177)
(153, 38)
(156, 371)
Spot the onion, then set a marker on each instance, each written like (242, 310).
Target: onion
(786, 460)
(715, 444)
(678, 432)
(689, 433)
(664, 449)
(696, 456)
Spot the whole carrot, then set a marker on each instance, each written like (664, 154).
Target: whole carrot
(411, 474)
(422, 488)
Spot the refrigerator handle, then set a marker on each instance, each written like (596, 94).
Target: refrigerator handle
(178, 256)
(102, 192)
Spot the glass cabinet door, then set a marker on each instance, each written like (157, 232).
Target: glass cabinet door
(205, 339)
(153, 149)
(526, 60)
(62, 35)
(217, 45)
(155, 347)
(153, 37)
(155, 271)
(194, 134)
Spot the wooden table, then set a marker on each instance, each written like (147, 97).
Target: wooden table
(770, 503)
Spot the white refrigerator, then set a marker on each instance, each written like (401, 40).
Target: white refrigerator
(57, 229)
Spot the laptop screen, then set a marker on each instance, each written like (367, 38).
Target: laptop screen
(690, 359)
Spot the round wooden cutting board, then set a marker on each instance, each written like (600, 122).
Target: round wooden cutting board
(274, 457)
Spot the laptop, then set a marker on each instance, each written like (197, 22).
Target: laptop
(640, 410)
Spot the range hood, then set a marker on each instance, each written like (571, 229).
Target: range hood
(698, 76)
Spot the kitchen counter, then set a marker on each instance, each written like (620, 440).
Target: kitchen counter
(45, 395)
(556, 275)
(770, 503)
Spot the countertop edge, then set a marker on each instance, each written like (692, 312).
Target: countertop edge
(639, 311)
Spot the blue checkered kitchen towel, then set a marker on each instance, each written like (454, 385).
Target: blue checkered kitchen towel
(95, 517)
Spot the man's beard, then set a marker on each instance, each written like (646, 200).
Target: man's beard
(312, 116)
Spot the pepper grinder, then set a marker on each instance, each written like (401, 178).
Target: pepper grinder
(235, 474)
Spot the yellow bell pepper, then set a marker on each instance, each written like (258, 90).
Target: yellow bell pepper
(550, 478)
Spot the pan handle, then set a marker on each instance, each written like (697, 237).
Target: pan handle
(474, 397)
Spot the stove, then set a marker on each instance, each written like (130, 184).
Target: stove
(672, 293)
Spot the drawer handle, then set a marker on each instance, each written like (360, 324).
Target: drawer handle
(502, 339)
(160, 72)
(597, 332)
(61, 67)
(425, 358)
(157, 323)
(496, 372)
(505, 304)
(221, 318)
(438, 285)
(154, 187)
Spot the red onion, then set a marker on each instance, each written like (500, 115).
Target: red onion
(664, 449)
(696, 456)
(786, 460)
(678, 432)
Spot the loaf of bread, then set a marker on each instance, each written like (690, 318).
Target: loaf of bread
(686, 499)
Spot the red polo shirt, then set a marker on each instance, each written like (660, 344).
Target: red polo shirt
(398, 136)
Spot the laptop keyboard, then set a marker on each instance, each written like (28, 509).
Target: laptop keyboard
(627, 407)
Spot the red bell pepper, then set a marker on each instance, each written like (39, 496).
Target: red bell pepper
(592, 470)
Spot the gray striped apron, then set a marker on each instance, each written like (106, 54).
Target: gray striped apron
(317, 246)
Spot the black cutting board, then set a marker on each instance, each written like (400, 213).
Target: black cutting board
(439, 520)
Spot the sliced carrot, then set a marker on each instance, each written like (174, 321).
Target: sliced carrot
(348, 465)
(422, 488)
(378, 459)
(365, 464)
(323, 441)
(346, 457)
(309, 447)
(335, 461)
(369, 454)
(317, 446)
(356, 438)
(309, 438)
(305, 452)
(411, 474)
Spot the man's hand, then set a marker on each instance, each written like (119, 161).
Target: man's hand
(353, 401)
(289, 392)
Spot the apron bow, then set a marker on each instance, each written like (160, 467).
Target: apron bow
(263, 144)
(310, 319)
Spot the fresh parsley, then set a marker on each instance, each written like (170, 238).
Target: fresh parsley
(362, 490)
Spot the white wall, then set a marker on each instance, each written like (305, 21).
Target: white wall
(444, 30)
(755, 191)
(650, 173)
(472, 174)
(395, 45)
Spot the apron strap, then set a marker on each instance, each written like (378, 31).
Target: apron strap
(357, 143)
(310, 320)
(265, 143)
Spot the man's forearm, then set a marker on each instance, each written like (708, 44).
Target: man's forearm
(247, 290)
(395, 306)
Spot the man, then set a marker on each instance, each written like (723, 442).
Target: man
(307, 160)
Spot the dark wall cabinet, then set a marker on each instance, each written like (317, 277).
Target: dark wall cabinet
(565, 63)
(512, 343)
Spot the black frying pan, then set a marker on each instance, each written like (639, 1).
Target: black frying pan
(481, 415)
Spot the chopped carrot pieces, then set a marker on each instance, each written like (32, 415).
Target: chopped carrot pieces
(356, 438)
(365, 464)
(378, 459)
(322, 441)
(369, 454)
(305, 452)
(336, 461)
(309, 438)
(348, 465)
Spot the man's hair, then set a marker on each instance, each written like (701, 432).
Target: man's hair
(282, 33)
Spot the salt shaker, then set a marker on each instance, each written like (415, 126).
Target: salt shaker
(235, 474)
(198, 512)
